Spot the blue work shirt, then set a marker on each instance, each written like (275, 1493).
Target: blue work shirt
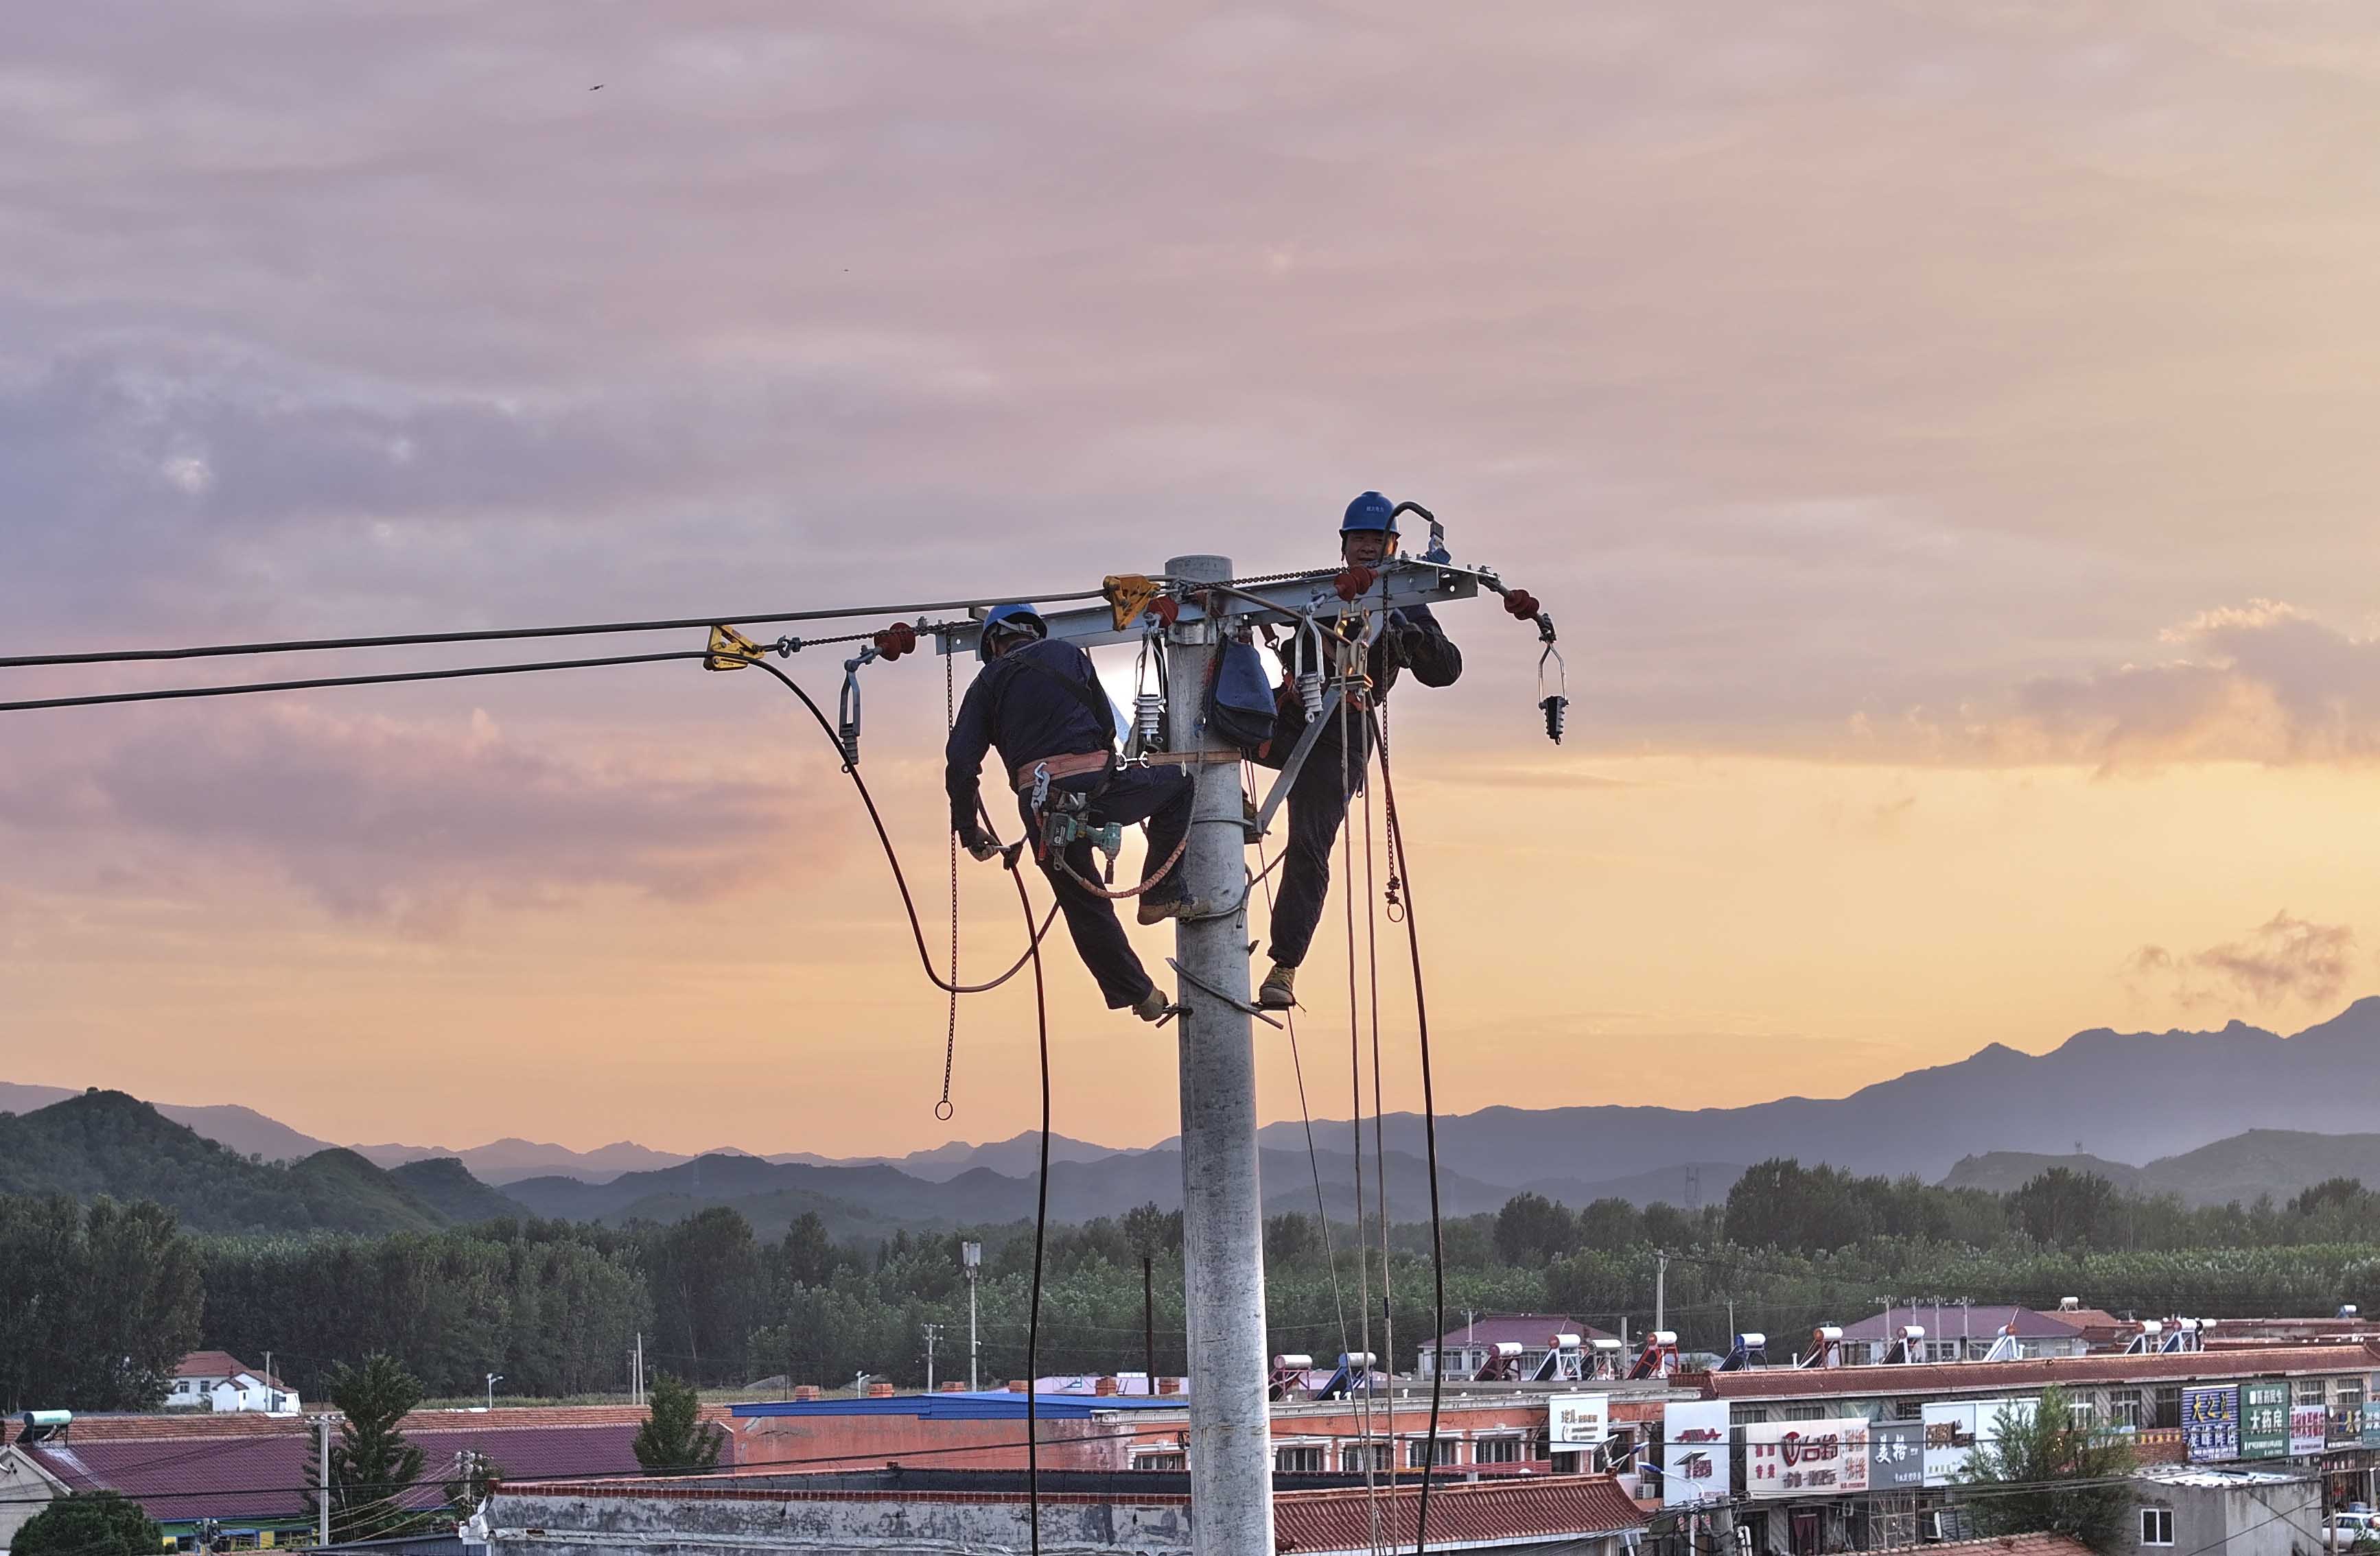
(1026, 715)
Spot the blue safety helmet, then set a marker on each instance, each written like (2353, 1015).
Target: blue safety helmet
(1369, 512)
(1002, 620)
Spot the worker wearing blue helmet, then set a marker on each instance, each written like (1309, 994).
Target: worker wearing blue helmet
(1039, 704)
(1411, 639)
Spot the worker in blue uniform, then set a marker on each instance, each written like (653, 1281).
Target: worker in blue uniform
(1411, 639)
(1038, 703)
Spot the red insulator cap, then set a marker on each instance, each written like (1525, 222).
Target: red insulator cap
(1166, 609)
(1356, 580)
(1522, 604)
(896, 640)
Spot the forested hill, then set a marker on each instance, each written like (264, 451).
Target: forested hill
(107, 1143)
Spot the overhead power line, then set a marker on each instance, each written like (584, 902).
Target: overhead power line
(502, 635)
(170, 693)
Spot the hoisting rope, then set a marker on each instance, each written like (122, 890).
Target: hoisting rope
(1304, 1113)
(1429, 1129)
(1379, 1113)
(1121, 894)
(943, 1109)
(1355, 1085)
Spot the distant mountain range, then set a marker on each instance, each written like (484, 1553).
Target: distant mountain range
(2217, 1115)
(2126, 1097)
(99, 1143)
(2274, 1162)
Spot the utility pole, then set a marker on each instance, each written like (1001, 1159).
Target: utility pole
(1222, 1210)
(323, 1486)
(1660, 1288)
(971, 1260)
(1149, 1319)
(933, 1332)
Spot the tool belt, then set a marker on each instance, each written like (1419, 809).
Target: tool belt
(1068, 767)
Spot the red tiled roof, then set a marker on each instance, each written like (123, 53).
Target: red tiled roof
(209, 1364)
(2001, 1545)
(1555, 1506)
(1955, 1377)
(249, 1423)
(1536, 1330)
(259, 1472)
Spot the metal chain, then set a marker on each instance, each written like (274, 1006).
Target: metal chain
(943, 1109)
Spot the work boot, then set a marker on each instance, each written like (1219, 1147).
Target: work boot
(1152, 1006)
(1278, 991)
(1157, 910)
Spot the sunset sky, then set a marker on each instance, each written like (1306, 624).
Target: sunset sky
(1943, 435)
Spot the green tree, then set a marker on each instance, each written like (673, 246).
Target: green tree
(1531, 1229)
(1151, 1231)
(371, 1465)
(2059, 1477)
(2067, 1208)
(807, 1255)
(96, 1306)
(89, 1524)
(1609, 1223)
(675, 1439)
(1289, 1237)
(708, 1290)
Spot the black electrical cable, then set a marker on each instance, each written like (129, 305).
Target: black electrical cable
(876, 818)
(1040, 1230)
(1041, 1020)
(172, 693)
(1430, 1130)
(502, 635)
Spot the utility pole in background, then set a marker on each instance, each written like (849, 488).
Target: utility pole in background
(1222, 1210)
(971, 1260)
(1660, 1288)
(933, 1332)
(322, 1496)
(1149, 1318)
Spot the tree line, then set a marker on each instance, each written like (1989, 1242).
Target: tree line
(97, 1303)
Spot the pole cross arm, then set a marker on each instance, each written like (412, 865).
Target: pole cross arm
(1404, 583)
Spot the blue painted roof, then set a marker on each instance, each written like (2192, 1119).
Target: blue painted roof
(987, 1406)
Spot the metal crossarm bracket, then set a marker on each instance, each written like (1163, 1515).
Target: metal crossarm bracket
(1297, 756)
(1406, 582)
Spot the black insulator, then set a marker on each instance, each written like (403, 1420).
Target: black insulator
(1554, 706)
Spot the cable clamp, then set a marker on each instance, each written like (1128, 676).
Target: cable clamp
(1130, 595)
(730, 649)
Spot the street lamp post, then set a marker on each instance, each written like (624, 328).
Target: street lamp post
(971, 1260)
(494, 1379)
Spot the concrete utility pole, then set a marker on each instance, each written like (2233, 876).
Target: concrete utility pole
(933, 1332)
(1222, 1211)
(1661, 1289)
(323, 1486)
(971, 1260)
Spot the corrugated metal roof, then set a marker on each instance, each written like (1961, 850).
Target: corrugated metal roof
(986, 1406)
